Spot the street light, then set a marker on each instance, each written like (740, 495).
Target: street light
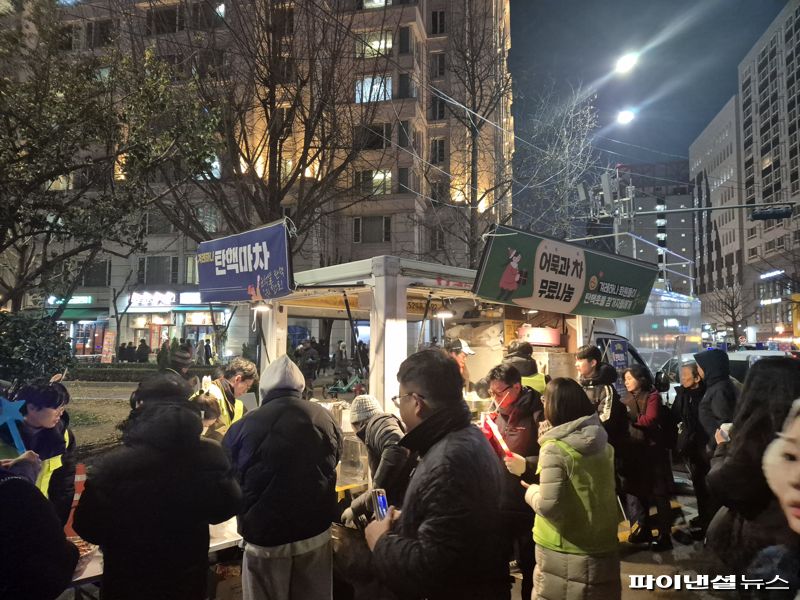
(625, 116)
(626, 63)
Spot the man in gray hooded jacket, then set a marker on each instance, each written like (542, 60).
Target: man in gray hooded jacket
(285, 454)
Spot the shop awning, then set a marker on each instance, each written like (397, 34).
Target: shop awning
(199, 308)
(83, 314)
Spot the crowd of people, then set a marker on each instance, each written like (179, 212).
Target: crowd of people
(579, 460)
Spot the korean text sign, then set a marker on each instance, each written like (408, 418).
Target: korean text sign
(254, 265)
(536, 272)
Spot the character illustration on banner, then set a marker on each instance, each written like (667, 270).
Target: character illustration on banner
(512, 276)
(254, 291)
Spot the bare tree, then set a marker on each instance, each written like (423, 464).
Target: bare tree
(557, 157)
(116, 293)
(478, 100)
(295, 137)
(730, 307)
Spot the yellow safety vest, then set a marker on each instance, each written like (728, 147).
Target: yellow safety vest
(536, 382)
(49, 466)
(224, 414)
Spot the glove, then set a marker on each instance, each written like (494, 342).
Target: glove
(348, 517)
(516, 464)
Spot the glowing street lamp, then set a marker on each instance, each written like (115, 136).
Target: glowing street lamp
(626, 63)
(625, 116)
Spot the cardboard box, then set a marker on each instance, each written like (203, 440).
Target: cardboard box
(556, 364)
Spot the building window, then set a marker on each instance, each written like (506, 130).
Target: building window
(156, 223)
(157, 270)
(191, 276)
(796, 237)
(371, 182)
(373, 89)
(752, 252)
(437, 155)
(437, 22)
(437, 108)
(437, 65)
(372, 230)
(440, 191)
(403, 183)
(372, 44)
(404, 134)
(367, 4)
(373, 137)
(404, 41)
(406, 87)
(208, 15)
(99, 34)
(97, 274)
(165, 19)
(751, 232)
(437, 239)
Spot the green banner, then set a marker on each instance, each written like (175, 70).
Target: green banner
(536, 272)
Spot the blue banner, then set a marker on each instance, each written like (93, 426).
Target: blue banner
(616, 354)
(250, 266)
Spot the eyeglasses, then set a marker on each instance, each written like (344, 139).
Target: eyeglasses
(500, 393)
(396, 399)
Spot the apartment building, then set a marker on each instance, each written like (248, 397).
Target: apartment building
(718, 235)
(395, 177)
(661, 186)
(770, 152)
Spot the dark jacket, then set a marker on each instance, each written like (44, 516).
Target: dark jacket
(524, 364)
(645, 468)
(751, 518)
(719, 401)
(446, 543)
(149, 504)
(49, 443)
(285, 453)
(389, 462)
(519, 426)
(692, 439)
(36, 560)
(143, 353)
(308, 361)
(604, 396)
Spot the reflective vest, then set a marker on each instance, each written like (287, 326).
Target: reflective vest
(49, 466)
(224, 412)
(588, 506)
(536, 382)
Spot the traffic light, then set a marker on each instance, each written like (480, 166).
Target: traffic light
(773, 212)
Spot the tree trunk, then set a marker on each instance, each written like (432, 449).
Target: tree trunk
(474, 234)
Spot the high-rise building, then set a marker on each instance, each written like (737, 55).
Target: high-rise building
(661, 186)
(372, 124)
(718, 235)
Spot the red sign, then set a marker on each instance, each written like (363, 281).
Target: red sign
(108, 346)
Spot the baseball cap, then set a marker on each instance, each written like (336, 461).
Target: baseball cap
(458, 345)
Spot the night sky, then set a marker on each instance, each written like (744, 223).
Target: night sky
(680, 83)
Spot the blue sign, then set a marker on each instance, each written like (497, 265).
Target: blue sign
(250, 266)
(617, 356)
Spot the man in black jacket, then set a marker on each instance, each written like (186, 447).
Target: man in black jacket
(597, 380)
(389, 462)
(446, 543)
(285, 453)
(520, 412)
(149, 503)
(719, 401)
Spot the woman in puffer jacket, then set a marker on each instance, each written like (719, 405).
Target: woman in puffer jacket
(575, 503)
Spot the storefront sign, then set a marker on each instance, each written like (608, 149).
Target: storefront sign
(72, 301)
(109, 337)
(190, 298)
(152, 299)
(254, 265)
(546, 274)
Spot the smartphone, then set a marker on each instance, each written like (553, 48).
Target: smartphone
(380, 505)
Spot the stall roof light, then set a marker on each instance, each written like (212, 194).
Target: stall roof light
(771, 274)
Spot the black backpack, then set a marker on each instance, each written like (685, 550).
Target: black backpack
(668, 425)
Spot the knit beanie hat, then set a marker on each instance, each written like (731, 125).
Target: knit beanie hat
(180, 359)
(364, 407)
